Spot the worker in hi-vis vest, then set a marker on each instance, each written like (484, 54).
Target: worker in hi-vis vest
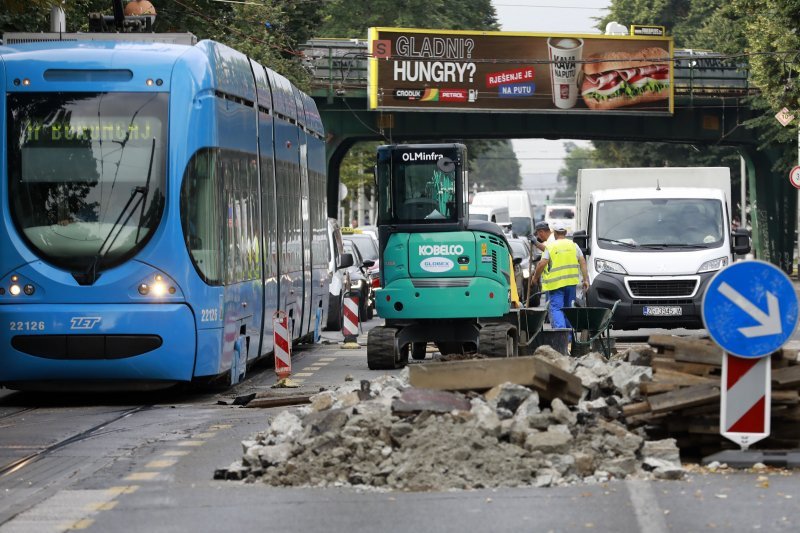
(564, 264)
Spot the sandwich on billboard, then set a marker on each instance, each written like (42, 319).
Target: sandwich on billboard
(440, 70)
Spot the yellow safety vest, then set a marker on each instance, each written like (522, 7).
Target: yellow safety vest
(563, 269)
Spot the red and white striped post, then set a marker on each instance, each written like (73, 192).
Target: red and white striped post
(746, 393)
(283, 345)
(350, 324)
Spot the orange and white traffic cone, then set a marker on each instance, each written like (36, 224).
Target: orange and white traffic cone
(283, 345)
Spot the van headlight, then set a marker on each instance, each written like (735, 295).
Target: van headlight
(601, 265)
(713, 265)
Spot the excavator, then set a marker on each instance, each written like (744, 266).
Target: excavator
(445, 279)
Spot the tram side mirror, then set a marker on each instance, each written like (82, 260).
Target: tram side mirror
(740, 241)
(345, 260)
(581, 238)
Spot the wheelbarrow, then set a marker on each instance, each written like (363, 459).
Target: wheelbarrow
(596, 322)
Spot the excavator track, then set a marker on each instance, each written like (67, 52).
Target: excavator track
(382, 350)
(498, 340)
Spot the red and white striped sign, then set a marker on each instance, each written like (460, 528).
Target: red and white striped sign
(283, 345)
(350, 323)
(746, 391)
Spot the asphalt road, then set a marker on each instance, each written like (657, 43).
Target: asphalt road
(146, 463)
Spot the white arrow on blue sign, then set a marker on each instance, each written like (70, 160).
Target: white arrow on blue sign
(750, 308)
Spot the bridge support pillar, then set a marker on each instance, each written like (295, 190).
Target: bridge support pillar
(336, 149)
(773, 208)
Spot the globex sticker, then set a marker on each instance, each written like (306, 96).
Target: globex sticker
(436, 264)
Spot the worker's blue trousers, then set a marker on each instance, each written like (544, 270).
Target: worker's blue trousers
(563, 297)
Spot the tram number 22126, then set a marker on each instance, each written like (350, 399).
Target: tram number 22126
(26, 326)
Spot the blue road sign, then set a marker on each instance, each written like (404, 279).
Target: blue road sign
(750, 308)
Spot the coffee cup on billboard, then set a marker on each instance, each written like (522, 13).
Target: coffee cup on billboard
(565, 57)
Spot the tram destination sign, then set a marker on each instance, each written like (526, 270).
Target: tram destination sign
(437, 70)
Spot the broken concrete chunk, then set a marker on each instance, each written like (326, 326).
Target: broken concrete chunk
(508, 396)
(436, 401)
(562, 413)
(548, 442)
(285, 427)
(276, 454)
(322, 401)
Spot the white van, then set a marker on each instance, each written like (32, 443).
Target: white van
(653, 239)
(519, 207)
(489, 213)
(563, 213)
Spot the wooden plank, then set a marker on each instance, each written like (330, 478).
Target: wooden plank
(697, 369)
(684, 398)
(472, 374)
(481, 374)
(707, 355)
(280, 401)
(633, 409)
(651, 387)
(558, 383)
(665, 375)
(786, 378)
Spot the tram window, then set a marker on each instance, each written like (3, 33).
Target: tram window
(201, 215)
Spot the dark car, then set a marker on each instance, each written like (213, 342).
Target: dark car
(360, 282)
(367, 245)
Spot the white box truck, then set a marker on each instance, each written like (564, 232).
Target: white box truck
(519, 207)
(653, 239)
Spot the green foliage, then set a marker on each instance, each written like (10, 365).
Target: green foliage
(351, 18)
(493, 165)
(577, 158)
(763, 29)
(240, 26)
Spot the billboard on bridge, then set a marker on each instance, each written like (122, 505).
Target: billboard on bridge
(439, 70)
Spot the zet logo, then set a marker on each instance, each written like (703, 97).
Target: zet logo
(436, 264)
(83, 322)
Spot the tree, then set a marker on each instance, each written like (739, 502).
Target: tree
(577, 158)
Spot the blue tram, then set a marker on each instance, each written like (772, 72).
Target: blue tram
(160, 202)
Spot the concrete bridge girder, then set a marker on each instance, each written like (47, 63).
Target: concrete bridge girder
(702, 122)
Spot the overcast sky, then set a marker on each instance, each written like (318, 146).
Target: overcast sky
(541, 155)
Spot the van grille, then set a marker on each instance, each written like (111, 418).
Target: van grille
(672, 288)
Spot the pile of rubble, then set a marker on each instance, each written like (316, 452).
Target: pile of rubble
(386, 433)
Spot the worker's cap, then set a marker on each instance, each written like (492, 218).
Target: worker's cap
(559, 227)
(541, 225)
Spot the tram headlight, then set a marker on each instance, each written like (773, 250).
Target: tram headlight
(159, 288)
(28, 289)
(14, 290)
(144, 289)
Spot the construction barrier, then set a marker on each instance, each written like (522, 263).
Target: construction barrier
(283, 345)
(350, 323)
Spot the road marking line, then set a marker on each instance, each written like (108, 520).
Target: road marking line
(191, 443)
(83, 523)
(304, 374)
(649, 515)
(206, 435)
(124, 489)
(176, 453)
(221, 426)
(142, 476)
(328, 359)
(165, 463)
(101, 506)
(298, 380)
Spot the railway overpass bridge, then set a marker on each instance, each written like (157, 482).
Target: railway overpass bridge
(710, 109)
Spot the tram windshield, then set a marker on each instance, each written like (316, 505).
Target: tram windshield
(87, 174)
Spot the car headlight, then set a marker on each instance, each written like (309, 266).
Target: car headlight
(526, 273)
(601, 265)
(713, 265)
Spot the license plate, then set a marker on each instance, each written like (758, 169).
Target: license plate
(662, 310)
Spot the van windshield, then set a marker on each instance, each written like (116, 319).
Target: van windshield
(677, 222)
(521, 225)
